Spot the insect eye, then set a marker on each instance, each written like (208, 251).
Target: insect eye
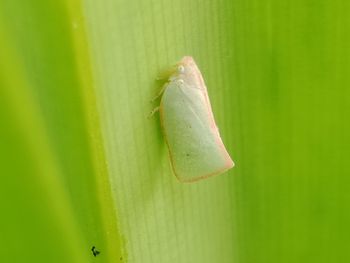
(181, 69)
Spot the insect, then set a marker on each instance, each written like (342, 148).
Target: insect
(195, 146)
(95, 252)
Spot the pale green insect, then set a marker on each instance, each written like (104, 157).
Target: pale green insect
(195, 147)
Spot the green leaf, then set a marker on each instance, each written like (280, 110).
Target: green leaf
(82, 165)
(55, 193)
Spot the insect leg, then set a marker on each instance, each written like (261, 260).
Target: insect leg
(160, 92)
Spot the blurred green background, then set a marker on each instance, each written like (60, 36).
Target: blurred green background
(81, 165)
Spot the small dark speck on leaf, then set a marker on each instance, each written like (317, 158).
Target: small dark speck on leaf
(95, 252)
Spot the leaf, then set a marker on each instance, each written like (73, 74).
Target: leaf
(83, 166)
(55, 192)
(131, 43)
